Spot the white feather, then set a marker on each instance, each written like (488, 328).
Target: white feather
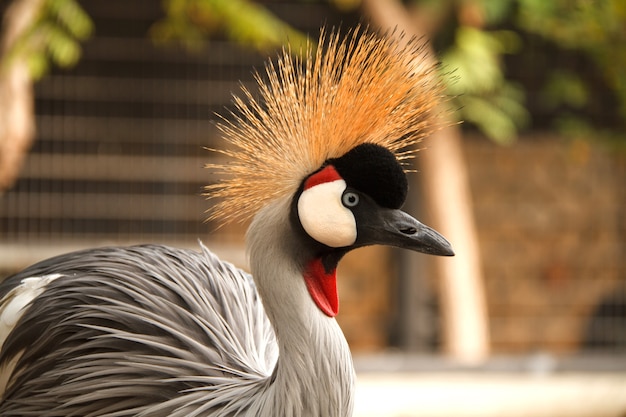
(12, 305)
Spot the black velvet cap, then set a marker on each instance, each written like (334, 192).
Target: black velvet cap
(375, 171)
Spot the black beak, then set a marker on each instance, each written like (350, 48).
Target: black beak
(396, 228)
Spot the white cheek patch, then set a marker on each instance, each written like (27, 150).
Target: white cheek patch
(324, 217)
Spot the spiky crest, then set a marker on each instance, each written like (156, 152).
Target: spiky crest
(364, 88)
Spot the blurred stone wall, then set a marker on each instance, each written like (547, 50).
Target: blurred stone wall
(551, 215)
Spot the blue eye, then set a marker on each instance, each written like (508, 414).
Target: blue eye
(350, 199)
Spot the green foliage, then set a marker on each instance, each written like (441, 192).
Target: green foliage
(484, 97)
(191, 22)
(467, 32)
(565, 88)
(53, 36)
(595, 28)
(573, 23)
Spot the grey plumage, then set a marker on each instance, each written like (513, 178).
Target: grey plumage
(157, 331)
(142, 329)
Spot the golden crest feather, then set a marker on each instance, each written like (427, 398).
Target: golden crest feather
(366, 88)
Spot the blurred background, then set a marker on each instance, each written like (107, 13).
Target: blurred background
(107, 106)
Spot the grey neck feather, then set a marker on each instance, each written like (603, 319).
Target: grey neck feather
(314, 374)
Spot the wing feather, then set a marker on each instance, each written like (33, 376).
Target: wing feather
(144, 330)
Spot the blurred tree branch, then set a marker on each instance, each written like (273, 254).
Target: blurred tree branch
(16, 96)
(450, 210)
(34, 32)
(192, 22)
(37, 33)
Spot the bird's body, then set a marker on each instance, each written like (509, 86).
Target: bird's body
(166, 330)
(152, 317)
(157, 331)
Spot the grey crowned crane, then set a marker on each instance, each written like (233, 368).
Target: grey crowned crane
(316, 161)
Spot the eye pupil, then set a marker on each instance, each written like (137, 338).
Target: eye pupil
(350, 199)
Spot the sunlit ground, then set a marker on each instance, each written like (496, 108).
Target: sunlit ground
(541, 387)
(490, 395)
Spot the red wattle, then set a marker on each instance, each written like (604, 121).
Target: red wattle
(322, 287)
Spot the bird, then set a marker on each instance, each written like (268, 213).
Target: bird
(316, 164)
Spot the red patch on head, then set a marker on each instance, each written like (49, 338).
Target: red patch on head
(322, 287)
(328, 174)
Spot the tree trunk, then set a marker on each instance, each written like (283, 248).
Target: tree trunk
(449, 208)
(16, 97)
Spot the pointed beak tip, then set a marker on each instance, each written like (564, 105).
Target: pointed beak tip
(440, 249)
(448, 252)
(434, 243)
